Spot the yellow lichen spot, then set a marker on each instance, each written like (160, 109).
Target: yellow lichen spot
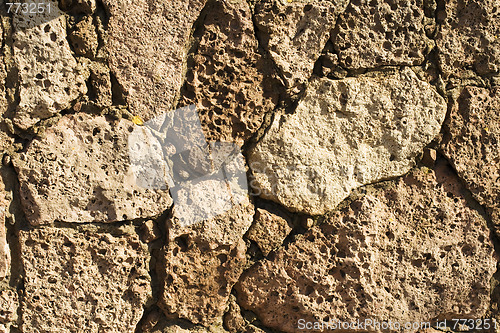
(289, 1)
(137, 120)
(486, 129)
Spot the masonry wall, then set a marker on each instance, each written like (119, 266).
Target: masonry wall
(249, 166)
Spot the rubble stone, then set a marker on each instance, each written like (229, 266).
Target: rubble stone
(229, 81)
(201, 265)
(80, 172)
(469, 37)
(345, 134)
(85, 279)
(9, 303)
(472, 136)
(49, 75)
(381, 32)
(269, 229)
(295, 32)
(148, 57)
(84, 38)
(408, 252)
(4, 246)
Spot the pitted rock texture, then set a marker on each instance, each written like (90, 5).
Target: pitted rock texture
(229, 81)
(50, 78)
(83, 38)
(4, 246)
(198, 279)
(76, 280)
(471, 141)
(201, 265)
(80, 172)
(270, 228)
(3, 75)
(413, 251)
(148, 56)
(469, 37)
(381, 32)
(294, 33)
(345, 134)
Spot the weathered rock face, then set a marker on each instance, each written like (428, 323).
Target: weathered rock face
(410, 252)
(345, 134)
(201, 265)
(381, 32)
(468, 37)
(229, 81)
(84, 38)
(148, 56)
(80, 172)
(9, 303)
(4, 246)
(49, 76)
(295, 32)
(3, 76)
(83, 279)
(472, 136)
(269, 229)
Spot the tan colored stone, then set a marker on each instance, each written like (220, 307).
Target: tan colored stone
(229, 81)
(166, 326)
(148, 56)
(294, 33)
(201, 265)
(8, 306)
(4, 246)
(83, 38)
(409, 252)
(3, 76)
(469, 37)
(233, 320)
(381, 32)
(79, 6)
(100, 81)
(149, 231)
(345, 134)
(472, 136)
(269, 229)
(49, 76)
(80, 172)
(83, 280)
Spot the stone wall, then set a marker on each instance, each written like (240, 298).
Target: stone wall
(249, 166)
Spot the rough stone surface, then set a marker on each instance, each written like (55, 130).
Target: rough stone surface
(229, 81)
(295, 32)
(148, 57)
(411, 251)
(76, 280)
(469, 36)
(79, 6)
(381, 32)
(80, 172)
(201, 265)
(345, 134)
(49, 76)
(83, 38)
(166, 326)
(4, 246)
(3, 76)
(100, 81)
(471, 141)
(149, 231)
(269, 229)
(8, 306)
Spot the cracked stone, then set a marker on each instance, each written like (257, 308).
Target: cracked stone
(50, 78)
(270, 228)
(84, 38)
(345, 134)
(409, 251)
(149, 231)
(80, 172)
(381, 32)
(229, 80)
(472, 134)
(294, 33)
(75, 279)
(148, 57)
(469, 37)
(201, 265)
